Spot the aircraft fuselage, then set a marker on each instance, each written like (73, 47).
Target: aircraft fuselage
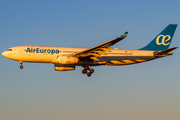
(46, 54)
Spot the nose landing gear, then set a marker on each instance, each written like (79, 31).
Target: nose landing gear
(87, 71)
(21, 66)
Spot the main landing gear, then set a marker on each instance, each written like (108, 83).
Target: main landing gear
(21, 66)
(87, 71)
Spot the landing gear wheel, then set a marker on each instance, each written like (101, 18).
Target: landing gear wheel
(89, 74)
(91, 70)
(21, 67)
(84, 71)
(87, 70)
(86, 67)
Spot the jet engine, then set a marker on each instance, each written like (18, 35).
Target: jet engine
(63, 67)
(66, 60)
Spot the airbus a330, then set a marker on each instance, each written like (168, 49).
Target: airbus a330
(67, 58)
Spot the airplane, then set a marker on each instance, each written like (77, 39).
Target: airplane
(67, 58)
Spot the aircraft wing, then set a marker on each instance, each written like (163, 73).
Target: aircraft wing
(97, 51)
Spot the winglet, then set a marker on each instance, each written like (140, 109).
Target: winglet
(124, 35)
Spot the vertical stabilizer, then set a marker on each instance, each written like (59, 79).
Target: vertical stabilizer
(162, 40)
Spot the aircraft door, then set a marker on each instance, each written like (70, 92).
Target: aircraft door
(19, 51)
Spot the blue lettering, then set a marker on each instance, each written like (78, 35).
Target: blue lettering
(38, 50)
(48, 51)
(34, 50)
(57, 51)
(28, 50)
(52, 52)
(41, 50)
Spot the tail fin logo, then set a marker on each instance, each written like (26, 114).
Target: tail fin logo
(164, 41)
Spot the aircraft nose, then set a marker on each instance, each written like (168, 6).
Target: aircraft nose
(5, 54)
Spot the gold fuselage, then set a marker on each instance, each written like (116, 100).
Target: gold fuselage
(47, 54)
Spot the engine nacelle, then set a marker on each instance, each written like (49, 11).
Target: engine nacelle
(65, 60)
(63, 67)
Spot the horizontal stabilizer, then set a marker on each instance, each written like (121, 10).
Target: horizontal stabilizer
(165, 52)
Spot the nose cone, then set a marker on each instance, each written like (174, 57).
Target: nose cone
(5, 54)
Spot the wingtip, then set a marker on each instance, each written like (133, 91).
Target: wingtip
(124, 35)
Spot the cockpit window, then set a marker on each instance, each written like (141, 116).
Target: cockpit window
(9, 49)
